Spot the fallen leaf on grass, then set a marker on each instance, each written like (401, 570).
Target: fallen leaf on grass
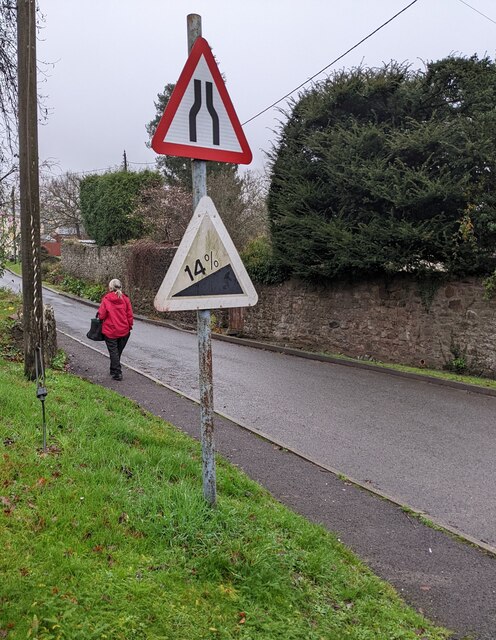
(70, 598)
(9, 506)
(54, 449)
(39, 525)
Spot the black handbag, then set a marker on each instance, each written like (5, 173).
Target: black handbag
(95, 332)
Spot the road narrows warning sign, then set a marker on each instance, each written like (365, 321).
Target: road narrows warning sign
(206, 272)
(199, 120)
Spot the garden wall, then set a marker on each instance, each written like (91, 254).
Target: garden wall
(98, 264)
(422, 323)
(141, 267)
(403, 320)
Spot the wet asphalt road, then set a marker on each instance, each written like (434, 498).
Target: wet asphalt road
(432, 448)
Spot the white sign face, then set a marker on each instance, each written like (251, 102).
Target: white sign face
(210, 124)
(206, 272)
(199, 120)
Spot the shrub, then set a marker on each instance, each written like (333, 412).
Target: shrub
(49, 267)
(260, 263)
(378, 171)
(83, 289)
(109, 202)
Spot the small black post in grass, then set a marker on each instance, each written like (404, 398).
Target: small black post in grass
(41, 391)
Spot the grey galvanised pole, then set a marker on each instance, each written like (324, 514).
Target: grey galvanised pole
(199, 171)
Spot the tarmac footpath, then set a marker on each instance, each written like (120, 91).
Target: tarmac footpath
(451, 582)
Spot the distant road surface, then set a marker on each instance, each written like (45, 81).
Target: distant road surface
(431, 447)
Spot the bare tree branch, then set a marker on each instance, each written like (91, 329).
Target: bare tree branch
(4, 177)
(8, 77)
(59, 202)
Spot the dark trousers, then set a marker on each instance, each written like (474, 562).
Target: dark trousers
(115, 347)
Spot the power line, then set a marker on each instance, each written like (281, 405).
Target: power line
(110, 168)
(97, 170)
(477, 11)
(299, 86)
(331, 63)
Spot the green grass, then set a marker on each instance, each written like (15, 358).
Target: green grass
(434, 373)
(15, 267)
(108, 536)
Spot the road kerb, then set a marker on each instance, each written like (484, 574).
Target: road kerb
(484, 546)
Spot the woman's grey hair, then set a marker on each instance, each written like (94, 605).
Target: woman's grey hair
(116, 286)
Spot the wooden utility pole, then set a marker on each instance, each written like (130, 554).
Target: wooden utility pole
(29, 185)
(124, 157)
(14, 226)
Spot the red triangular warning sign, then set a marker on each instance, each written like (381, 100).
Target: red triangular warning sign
(199, 120)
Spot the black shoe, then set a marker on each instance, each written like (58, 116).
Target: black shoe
(117, 376)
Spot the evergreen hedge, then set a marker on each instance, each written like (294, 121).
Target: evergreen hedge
(386, 170)
(109, 202)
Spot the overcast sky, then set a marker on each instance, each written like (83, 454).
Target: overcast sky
(111, 58)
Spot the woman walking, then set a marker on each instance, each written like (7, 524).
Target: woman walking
(116, 314)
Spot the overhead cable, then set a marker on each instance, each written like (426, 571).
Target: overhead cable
(477, 11)
(331, 63)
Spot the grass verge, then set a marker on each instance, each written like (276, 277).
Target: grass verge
(432, 373)
(15, 267)
(107, 536)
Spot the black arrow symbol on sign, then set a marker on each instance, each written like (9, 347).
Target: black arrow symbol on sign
(195, 109)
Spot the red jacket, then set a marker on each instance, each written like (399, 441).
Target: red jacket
(117, 315)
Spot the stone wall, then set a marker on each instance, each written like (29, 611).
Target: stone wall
(98, 264)
(403, 320)
(140, 269)
(425, 323)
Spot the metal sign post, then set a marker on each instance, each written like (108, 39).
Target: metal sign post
(206, 273)
(199, 170)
